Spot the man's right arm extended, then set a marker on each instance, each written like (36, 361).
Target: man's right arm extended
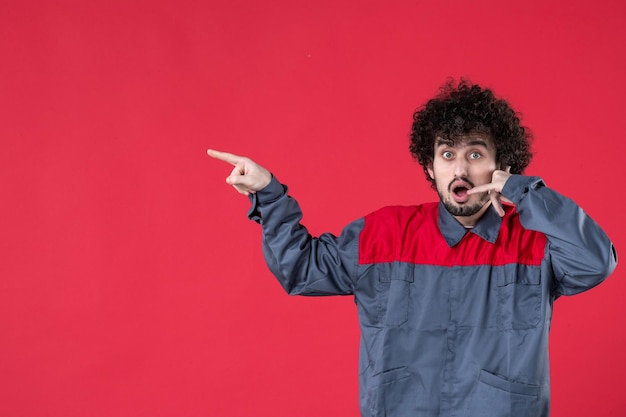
(303, 264)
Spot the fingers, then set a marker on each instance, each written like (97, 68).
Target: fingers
(242, 190)
(237, 177)
(495, 196)
(247, 176)
(481, 188)
(241, 182)
(504, 199)
(496, 203)
(237, 183)
(237, 180)
(225, 156)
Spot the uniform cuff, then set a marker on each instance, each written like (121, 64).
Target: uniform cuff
(271, 193)
(517, 186)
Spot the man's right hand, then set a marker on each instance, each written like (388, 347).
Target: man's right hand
(247, 177)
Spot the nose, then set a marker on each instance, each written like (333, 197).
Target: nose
(460, 167)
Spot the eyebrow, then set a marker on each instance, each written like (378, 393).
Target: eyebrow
(451, 143)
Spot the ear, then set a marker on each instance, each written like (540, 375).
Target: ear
(431, 173)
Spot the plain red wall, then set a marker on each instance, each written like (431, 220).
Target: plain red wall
(131, 283)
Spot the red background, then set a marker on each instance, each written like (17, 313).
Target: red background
(131, 283)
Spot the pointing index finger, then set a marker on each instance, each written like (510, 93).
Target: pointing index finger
(481, 188)
(224, 156)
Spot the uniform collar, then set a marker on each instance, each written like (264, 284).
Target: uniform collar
(487, 227)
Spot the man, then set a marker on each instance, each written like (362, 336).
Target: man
(454, 298)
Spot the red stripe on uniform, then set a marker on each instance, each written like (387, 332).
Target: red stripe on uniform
(411, 234)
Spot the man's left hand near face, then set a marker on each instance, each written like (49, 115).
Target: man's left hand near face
(494, 189)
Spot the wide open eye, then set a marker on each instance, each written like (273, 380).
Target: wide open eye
(447, 155)
(475, 155)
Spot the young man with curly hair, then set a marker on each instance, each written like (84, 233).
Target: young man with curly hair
(455, 297)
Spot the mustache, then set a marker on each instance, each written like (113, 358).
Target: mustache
(464, 179)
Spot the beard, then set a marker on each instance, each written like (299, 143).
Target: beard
(469, 210)
(463, 210)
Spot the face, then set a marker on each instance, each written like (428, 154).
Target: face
(459, 166)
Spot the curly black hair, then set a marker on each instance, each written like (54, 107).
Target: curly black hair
(467, 108)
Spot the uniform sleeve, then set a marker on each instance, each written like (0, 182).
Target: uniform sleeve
(303, 264)
(581, 253)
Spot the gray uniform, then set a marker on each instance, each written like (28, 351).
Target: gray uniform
(454, 321)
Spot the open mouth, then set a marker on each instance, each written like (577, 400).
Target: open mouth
(459, 190)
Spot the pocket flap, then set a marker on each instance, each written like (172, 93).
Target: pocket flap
(508, 385)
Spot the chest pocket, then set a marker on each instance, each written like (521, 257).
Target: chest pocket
(519, 297)
(394, 295)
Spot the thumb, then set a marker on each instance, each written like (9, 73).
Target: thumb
(241, 182)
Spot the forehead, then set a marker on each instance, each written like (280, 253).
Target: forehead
(471, 139)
